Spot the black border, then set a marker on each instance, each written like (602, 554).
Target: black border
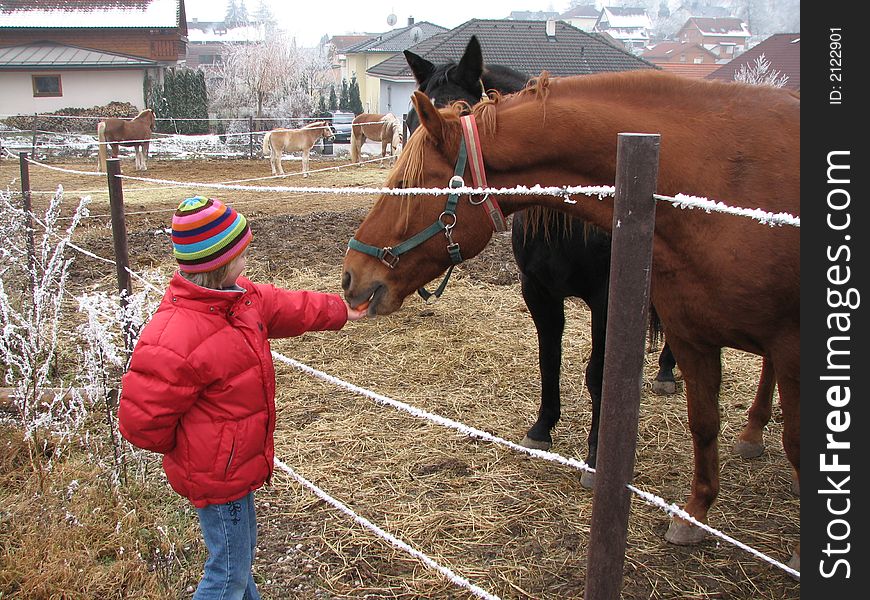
(828, 127)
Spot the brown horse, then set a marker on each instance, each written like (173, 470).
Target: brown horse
(718, 280)
(278, 141)
(120, 132)
(386, 129)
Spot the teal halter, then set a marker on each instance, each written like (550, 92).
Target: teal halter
(389, 255)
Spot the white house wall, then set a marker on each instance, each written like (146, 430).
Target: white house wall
(395, 97)
(81, 89)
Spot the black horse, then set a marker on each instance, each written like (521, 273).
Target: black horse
(559, 257)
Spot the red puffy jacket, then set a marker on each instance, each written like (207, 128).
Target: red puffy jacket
(201, 385)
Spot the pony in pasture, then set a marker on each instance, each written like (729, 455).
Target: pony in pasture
(280, 140)
(560, 257)
(386, 129)
(121, 132)
(717, 280)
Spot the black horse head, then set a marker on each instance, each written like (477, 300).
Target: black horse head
(467, 81)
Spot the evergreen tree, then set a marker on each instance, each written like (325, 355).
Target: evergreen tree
(354, 101)
(237, 14)
(344, 98)
(333, 99)
(321, 106)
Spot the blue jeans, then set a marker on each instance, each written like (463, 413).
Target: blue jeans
(230, 533)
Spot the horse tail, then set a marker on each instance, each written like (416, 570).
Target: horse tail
(356, 142)
(267, 146)
(101, 146)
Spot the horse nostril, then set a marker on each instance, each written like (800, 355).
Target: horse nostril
(345, 281)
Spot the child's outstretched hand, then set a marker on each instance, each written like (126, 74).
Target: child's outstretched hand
(354, 314)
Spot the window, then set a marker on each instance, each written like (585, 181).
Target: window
(46, 85)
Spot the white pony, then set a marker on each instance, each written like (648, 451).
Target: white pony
(277, 141)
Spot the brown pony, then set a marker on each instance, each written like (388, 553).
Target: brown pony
(277, 141)
(718, 280)
(386, 129)
(121, 132)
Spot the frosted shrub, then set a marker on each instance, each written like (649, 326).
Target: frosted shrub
(103, 360)
(31, 294)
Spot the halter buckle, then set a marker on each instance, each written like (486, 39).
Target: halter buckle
(389, 258)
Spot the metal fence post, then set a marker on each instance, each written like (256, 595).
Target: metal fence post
(637, 158)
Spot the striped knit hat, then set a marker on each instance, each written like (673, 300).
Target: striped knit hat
(207, 234)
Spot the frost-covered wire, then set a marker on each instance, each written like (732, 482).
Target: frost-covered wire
(543, 454)
(448, 573)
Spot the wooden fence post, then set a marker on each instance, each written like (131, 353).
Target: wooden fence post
(33, 130)
(250, 138)
(27, 205)
(119, 239)
(637, 158)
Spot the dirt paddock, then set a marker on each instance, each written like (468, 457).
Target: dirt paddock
(515, 526)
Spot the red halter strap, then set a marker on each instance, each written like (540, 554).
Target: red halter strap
(478, 173)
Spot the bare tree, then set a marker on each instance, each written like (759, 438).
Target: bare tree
(274, 77)
(760, 73)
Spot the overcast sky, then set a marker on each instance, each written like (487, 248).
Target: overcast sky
(309, 20)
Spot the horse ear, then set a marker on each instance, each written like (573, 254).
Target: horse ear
(421, 67)
(429, 116)
(470, 66)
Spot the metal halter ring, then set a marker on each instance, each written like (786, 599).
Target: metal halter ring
(456, 179)
(447, 226)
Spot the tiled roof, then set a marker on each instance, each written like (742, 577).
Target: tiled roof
(725, 26)
(668, 50)
(520, 45)
(397, 39)
(55, 56)
(782, 50)
(45, 14)
(581, 11)
(342, 42)
(689, 69)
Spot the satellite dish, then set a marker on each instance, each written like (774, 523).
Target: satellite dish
(391, 20)
(416, 34)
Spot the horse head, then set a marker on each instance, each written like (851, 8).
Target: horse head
(387, 260)
(327, 132)
(450, 82)
(148, 116)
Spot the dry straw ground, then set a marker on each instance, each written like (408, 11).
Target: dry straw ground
(512, 525)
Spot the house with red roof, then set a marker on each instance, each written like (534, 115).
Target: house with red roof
(781, 50)
(726, 37)
(80, 53)
(682, 58)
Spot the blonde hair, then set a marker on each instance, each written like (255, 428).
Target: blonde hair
(209, 279)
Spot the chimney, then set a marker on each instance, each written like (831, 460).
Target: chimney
(410, 21)
(551, 28)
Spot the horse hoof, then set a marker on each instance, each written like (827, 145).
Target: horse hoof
(745, 449)
(587, 480)
(535, 444)
(664, 388)
(684, 534)
(795, 563)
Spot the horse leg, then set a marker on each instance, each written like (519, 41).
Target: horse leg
(548, 313)
(750, 443)
(137, 156)
(305, 163)
(788, 379)
(145, 155)
(383, 152)
(702, 372)
(665, 384)
(595, 377)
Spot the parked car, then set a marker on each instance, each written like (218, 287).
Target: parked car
(341, 122)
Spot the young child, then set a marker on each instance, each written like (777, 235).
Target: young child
(201, 385)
